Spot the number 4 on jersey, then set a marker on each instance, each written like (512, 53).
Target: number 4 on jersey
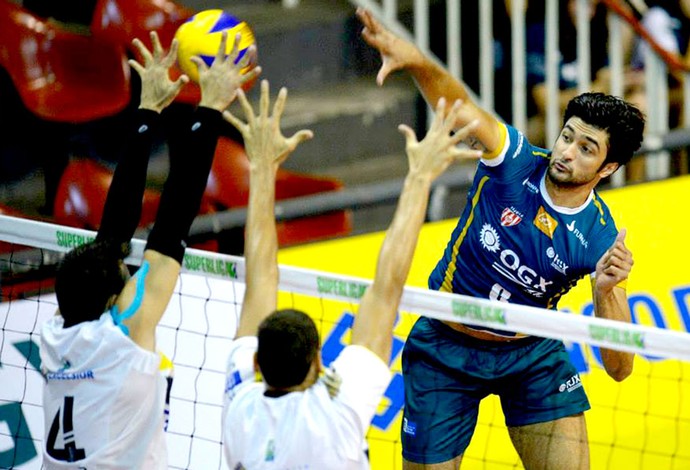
(69, 453)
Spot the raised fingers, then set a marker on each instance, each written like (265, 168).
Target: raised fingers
(145, 53)
(171, 57)
(220, 53)
(265, 98)
(410, 137)
(299, 137)
(464, 132)
(239, 125)
(279, 106)
(248, 111)
(156, 44)
(232, 57)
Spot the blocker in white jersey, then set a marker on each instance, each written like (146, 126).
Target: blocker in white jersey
(305, 429)
(291, 419)
(103, 400)
(104, 397)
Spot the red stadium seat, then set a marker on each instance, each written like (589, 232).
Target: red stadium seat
(61, 75)
(81, 198)
(228, 187)
(120, 21)
(82, 192)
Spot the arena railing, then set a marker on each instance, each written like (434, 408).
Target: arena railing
(658, 63)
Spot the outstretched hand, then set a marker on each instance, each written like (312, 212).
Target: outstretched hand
(396, 53)
(615, 265)
(263, 139)
(219, 82)
(432, 155)
(157, 90)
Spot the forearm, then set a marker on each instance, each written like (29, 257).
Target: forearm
(190, 164)
(435, 82)
(401, 238)
(377, 311)
(261, 251)
(613, 305)
(122, 209)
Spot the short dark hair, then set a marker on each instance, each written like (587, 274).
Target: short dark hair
(288, 344)
(622, 120)
(87, 277)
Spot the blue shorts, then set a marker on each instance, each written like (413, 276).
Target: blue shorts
(447, 374)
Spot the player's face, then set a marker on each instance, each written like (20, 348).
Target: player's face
(578, 154)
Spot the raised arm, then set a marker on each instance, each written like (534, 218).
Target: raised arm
(190, 163)
(266, 149)
(432, 80)
(373, 326)
(123, 204)
(611, 301)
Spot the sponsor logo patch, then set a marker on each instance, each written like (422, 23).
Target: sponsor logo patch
(489, 238)
(510, 217)
(556, 262)
(545, 223)
(409, 427)
(573, 383)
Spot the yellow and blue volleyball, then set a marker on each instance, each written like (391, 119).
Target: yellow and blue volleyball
(201, 34)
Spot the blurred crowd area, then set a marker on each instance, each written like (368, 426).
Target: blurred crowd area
(50, 137)
(666, 21)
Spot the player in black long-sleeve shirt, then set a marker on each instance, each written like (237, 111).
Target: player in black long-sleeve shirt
(104, 397)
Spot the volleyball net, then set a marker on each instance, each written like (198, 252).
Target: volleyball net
(642, 422)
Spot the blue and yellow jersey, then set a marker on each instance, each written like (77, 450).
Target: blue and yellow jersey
(512, 243)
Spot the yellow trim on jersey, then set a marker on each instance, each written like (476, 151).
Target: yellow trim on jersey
(597, 204)
(447, 285)
(502, 136)
(536, 153)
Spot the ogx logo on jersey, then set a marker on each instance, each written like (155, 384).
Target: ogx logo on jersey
(510, 265)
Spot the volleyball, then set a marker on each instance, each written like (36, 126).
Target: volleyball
(201, 35)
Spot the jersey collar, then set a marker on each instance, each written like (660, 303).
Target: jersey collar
(561, 209)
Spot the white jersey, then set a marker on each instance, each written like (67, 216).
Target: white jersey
(301, 430)
(103, 400)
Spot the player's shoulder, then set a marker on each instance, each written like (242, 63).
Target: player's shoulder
(604, 218)
(513, 146)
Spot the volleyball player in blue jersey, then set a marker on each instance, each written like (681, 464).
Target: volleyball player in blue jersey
(532, 227)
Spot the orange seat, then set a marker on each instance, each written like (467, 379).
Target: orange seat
(61, 75)
(120, 21)
(82, 192)
(228, 187)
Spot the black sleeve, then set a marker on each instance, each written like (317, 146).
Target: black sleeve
(191, 156)
(122, 209)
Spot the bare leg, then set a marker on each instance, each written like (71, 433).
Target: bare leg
(555, 445)
(449, 465)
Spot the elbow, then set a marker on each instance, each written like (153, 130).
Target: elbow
(622, 371)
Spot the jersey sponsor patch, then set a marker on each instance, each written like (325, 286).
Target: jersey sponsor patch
(545, 223)
(510, 217)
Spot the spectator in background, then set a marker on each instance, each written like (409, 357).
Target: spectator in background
(568, 67)
(668, 23)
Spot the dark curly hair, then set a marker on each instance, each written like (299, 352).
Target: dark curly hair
(288, 344)
(87, 277)
(621, 120)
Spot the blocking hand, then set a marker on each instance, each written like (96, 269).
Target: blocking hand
(432, 155)
(263, 139)
(157, 90)
(219, 82)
